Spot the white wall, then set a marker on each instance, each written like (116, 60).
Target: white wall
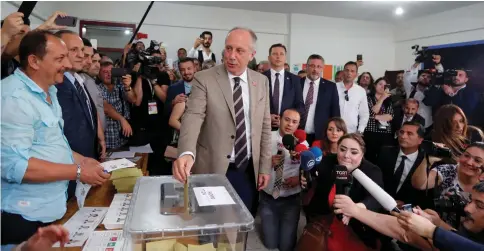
(458, 25)
(340, 40)
(178, 25)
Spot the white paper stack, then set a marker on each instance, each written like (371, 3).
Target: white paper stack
(112, 165)
(117, 211)
(105, 241)
(82, 224)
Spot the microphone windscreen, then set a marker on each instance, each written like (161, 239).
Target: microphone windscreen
(300, 148)
(385, 200)
(289, 142)
(300, 135)
(318, 154)
(318, 143)
(307, 160)
(341, 175)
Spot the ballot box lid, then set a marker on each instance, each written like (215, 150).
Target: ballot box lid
(156, 210)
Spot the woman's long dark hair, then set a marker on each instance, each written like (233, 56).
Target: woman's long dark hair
(443, 131)
(371, 78)
(340, 124)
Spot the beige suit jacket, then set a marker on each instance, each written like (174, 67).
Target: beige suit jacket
(208, 124)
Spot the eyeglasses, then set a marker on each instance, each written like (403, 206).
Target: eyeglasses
(347, 98)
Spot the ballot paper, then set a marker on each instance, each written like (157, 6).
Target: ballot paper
(117, 212)
(105, 241)
(81, 193)
(118, 155)
(141, 149)
(82, 224)
(112, 165)
(212, 196)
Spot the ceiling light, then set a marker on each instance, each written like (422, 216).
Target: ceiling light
(127, 32)
(399, 11)
(84, 29)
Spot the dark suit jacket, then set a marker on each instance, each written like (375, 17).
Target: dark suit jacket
(80, 133)
(398, 119)
(387, 161)
(291, 96)
(327, 106)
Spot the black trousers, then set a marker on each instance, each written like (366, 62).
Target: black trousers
(16, 229)
(243, 181)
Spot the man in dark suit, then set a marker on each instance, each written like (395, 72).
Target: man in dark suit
(408, 112)
(284, 89)
(321, 100)
(78, 109)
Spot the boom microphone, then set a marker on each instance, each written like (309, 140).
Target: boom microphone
(300, 135)
(343, 182)
(307, 163)
(385, 200)
(318, 154)
(289, 142)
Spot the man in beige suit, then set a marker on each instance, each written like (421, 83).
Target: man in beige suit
(226, 128)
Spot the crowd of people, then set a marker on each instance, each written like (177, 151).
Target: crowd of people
(65, 105)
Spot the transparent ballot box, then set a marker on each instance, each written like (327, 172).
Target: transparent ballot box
(215, 218)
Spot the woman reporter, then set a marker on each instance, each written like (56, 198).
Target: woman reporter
(351, 149)
(335, 129)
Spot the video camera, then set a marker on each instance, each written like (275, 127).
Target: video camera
(441, 78)
(420, 53)
(433, 150)
(148, 62)
(451, 204)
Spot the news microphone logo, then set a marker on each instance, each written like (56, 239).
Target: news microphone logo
(311, 164)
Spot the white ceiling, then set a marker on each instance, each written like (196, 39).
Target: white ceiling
(379, 11)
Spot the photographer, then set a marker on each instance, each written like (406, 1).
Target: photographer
(417, 82)
(454, 181)
(456, 92)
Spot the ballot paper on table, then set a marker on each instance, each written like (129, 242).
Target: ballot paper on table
(105, 241)
(82, 224)
(141, 149)
(118, 155)
(112, 165)
(117, 212)
(212, 196)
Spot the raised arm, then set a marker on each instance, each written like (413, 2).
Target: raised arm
(176, 115)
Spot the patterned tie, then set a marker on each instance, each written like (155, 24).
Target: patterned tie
(275, 95)
(307, 104)
(84, 98)
(240, 148)
(278, 181)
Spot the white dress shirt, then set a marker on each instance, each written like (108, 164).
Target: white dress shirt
(244, 84)
(193, 53)
(291, 167)
(355, 111)
(312, 109)
(409, 162)
(281, 85)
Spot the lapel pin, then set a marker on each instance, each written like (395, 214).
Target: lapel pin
(254, 83)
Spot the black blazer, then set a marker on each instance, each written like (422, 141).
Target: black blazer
(387, 160)
(80, 133)
(325, 180)
(291, 96)
(327, 106)
(398, 119)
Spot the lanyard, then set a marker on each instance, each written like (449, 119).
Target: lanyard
(152, 90)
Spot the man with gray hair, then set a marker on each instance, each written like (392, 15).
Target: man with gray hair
(226, 128)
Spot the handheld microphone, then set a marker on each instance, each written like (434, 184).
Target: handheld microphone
(343, 182)
(307, 163)
(317, 143)
(300, 135)
(318, 154)
(385, 200)
(299, 149)
(289, 142)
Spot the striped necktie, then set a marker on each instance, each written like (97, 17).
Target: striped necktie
(307, 105)
(240, 148)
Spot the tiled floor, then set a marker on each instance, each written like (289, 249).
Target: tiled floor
(254, 242)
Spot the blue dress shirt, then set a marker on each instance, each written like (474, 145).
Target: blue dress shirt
(31, 128)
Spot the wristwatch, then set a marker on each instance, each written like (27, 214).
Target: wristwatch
(78, 177)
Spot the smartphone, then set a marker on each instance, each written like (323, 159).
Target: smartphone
(26, 7)
(118, 72)
(359, 57)
(66, 21)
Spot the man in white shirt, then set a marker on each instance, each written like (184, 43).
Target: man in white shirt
(201, 48)
(280, 201)
(353, 102)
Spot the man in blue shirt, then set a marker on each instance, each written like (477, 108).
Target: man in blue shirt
(36, 160)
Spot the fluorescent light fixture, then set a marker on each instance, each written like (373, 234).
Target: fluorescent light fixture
(84, 29)
(127, 32)
(399, 11)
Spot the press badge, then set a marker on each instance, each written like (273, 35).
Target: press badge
(152, 108)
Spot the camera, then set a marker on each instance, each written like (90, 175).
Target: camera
(432, 150)
(452, 205)
(420, 53)
(148, 67)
